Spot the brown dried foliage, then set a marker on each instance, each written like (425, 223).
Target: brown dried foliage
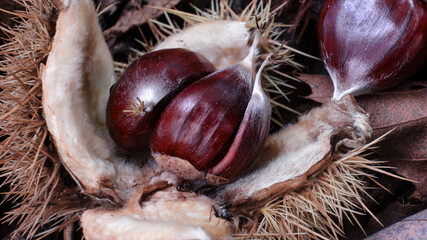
(135, 15)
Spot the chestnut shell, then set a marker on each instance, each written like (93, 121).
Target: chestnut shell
(153, 79)
(200, 123)
(372, 45)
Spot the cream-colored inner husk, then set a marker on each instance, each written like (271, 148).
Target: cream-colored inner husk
(79, 64)
(223, 43)
(168, 215)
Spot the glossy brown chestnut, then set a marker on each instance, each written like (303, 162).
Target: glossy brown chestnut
(200, 122)
(372, 45)
(145, 88)
(215, 127)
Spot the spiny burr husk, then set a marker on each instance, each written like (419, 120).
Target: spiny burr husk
(318, 210)
(106, 188)
(29, 165)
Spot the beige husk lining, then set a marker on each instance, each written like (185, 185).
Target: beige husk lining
(31, 168)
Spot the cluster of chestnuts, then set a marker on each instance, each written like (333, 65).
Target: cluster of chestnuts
(199, 123)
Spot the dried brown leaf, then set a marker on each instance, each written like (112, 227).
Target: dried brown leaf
(393, 213)
(406, 147)
(134, 15)
(321, 87)
(413, 227)
(415, 171)
(404, 111)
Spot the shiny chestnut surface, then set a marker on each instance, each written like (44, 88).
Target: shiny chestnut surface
(145, 88)
(200, 123)
(374, 44)
(213, 130)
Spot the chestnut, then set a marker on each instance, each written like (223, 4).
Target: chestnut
(145, 88)
(208, 125)
(215, 127)
(372, 45)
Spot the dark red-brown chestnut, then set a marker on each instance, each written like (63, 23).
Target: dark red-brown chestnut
(203, 124)
(145, 88)
(215, 127)
(372, 45)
